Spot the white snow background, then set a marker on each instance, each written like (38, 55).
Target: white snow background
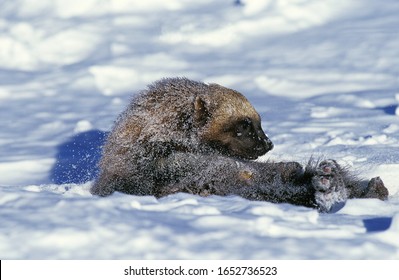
(324, 76)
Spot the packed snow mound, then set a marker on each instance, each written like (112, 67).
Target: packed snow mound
(66, 222)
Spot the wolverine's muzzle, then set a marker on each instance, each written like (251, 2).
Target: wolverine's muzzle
(264, 144)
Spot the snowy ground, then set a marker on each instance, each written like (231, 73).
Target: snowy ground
(324, 76)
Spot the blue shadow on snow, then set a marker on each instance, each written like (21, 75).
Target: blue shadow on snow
(377, 224)
(77, 158)
(389, 110)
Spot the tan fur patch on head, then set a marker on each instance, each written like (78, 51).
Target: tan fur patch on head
(232, 103)
(228, 106)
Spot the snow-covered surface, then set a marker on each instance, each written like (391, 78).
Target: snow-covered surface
(324, 76)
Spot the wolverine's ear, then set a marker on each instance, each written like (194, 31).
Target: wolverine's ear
(201, 112)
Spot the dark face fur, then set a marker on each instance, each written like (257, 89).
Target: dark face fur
(230, 124)
(244, 139)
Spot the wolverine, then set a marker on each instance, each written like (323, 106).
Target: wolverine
(180, 135)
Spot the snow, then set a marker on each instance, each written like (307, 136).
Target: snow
(323, 75)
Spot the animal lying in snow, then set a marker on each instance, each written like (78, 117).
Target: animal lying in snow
(180, 135)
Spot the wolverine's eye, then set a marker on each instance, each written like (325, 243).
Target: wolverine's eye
(244, 128)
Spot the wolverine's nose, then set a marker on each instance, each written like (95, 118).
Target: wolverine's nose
(269, 144)
(264, 144)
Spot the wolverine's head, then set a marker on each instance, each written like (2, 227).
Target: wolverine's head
(230, 124)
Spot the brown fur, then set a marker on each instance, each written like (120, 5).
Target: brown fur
(185, 136)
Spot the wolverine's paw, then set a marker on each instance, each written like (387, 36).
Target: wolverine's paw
(330, 191)
(376, 189)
